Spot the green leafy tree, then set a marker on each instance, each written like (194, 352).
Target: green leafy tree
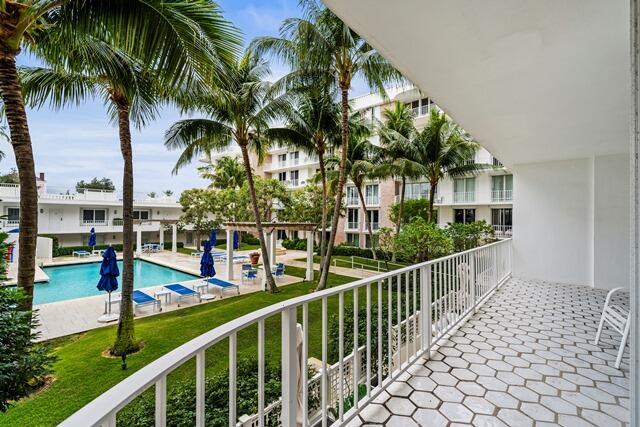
(321, 48)
(421, 240)
(95, 184)
(10, 178)
(197, 212)
(95, 67)
(269, 193)
(414, 208)
(469, 236)
(238, 111)
(227, 172)
(174, 36)
(306, 205)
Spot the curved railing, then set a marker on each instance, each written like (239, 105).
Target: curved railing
(451, 287)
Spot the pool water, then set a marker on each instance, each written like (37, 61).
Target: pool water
(80, 280)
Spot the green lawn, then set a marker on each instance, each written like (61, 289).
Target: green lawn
(367, 264)
(82, 373)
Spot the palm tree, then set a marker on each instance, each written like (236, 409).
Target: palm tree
(443, 148)
(397, 137)
(228, 172)
(313, 127)
(93, 68)
(168, 34)
(238, 110)
(320, 48)
(363, 158)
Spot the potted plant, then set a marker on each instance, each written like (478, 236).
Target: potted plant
(254, 257)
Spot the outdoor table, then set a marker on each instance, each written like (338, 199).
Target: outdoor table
(163, 293)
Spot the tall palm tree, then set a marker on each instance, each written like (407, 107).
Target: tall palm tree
(94, 69)
(238, 111)
(443, 148)
(313, 127)
(320, 48)
(168, 34)
(363, 158)
(228, 172)
(397, 137)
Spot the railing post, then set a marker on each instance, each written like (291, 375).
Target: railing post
(472, 278)
(425, 306)
(161, 402)
(289, 369)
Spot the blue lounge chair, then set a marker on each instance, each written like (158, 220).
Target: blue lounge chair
(278, 272)
(81, 253)
(223, 286)
(141, 299)
(249, 273)
(183, 292)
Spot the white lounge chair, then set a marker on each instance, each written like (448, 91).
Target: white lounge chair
(618, 317)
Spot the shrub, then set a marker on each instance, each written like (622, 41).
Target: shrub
(181, 398)
(249, 239)
(421, 241)
(24, 365)
(295, 244)
(413, 208)
(469, 236)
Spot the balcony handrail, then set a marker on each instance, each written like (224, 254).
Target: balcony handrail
(103, 409)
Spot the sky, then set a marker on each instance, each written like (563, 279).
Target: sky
(80, 143)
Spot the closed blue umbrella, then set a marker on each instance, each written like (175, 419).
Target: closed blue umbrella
(109, 273)
(92, 237)
(206, 262)
(213, 238)
(236, 240)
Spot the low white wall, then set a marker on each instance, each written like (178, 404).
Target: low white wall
(44, 248)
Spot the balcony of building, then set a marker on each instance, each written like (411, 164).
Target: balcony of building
(464, 196)
(498, 196)
(493, 350)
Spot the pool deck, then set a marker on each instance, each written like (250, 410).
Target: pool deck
(62, 318)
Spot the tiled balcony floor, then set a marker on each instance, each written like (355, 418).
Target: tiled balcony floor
(525, 358)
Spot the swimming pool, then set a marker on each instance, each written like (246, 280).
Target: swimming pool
(80, 280)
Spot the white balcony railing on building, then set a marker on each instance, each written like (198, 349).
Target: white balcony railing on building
(502, 230)
(372, 200)
(93, 222)
(501, 195)
(464, 197)
(448, 289)
(352, 201)
(352, 225)
(374, 226)
(9, 190)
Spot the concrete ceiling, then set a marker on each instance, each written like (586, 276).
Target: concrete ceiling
(532, 81)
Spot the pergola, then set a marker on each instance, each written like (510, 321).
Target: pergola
(174, 232)
(269, 229)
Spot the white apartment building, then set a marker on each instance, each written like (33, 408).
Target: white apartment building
(70, 214)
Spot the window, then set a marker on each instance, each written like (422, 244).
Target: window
(293, 175)
(282, 176)
(352, 219)
(501, 188)
(295, 157)
(416, 190)
(352, 196)
(502, 220)
(471, 160)
(94, 216)
(281, 234)
(497, 162)
(353, 239)
(464, 215)
(13, 215)
(374, 216)
(464, 190)
(282, 160)
(144, 215)
(367, 240)
(420, 107)
(371, 194)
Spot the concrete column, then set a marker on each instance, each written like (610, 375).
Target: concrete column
(139, 240)
(229, 254)
(162, 236)
(309, 273)
(272, 246)
(174, 238)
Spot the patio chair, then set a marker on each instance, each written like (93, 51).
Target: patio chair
(223, 285)
(249, 273)
(618, 317)
(278, 271)
(81, 253)
(140, 299)
(183, 292)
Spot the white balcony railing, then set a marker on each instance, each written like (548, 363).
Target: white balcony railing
(351, 225)
(9, 190)
(352, 201)
(372, 200)
(501, 195)
(464, 196)
(502, 230)
(93, 222)
(448, 289)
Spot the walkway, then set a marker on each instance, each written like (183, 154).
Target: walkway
(525, 358)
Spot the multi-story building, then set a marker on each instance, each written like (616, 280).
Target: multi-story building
(70, 214)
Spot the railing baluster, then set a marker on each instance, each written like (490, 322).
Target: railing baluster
(341, 354)
(233, 368)
(261, 373)
(161, 402)
(290, 366)
(379, 332)
(305, 367)
(355, 366)
(389, 325)
(324, 387)
(368, 339)
(425, 306)
(414, 346)
(399, 314)
(200, 367)
(406, 312)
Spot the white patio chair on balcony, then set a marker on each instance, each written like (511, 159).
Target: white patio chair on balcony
(618, 317)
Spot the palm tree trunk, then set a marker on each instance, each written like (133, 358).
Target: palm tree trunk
(324, 275)
(125, 339)
(432, 194)
(323, 225)
(367, 223)
(21, 142)
(266, 262)
(400, 212)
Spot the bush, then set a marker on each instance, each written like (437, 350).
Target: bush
(24, 365)
(421, 241)
(469, 236)
(68, 250)
(412, 208)
(249, 239)
(181, 398)
(295, 244)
